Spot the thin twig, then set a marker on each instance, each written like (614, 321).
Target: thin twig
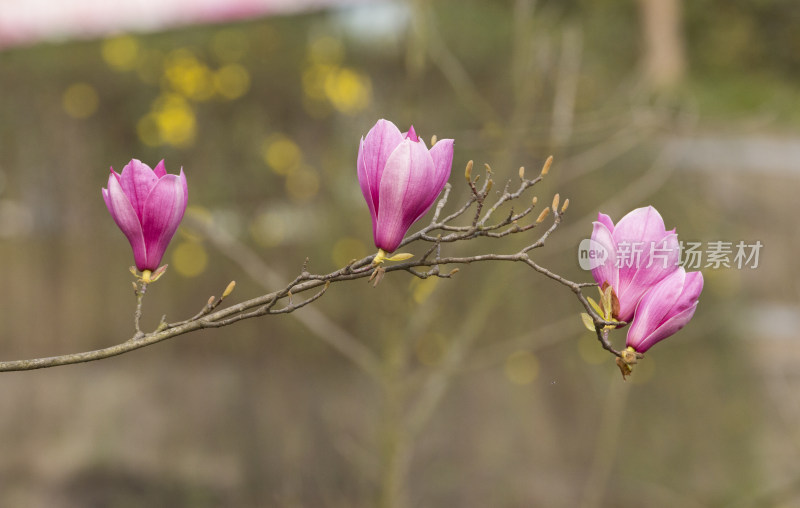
(432, 260)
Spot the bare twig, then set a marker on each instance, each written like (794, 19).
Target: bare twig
(428, 265)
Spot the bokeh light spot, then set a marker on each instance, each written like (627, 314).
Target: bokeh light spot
(348, 90)
(189, 259)
(232, 81)
(171, 121)
(121, 53)
(347, 249)
(80, 100)
(281, 154)
(197, 214)
(421, 289)
(522, 367)
(189, 76)
(302, 184)
(590, 350)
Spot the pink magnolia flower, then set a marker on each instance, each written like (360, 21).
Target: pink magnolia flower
(147, 205)
(641, 252)
(665, 309)
(400, 179)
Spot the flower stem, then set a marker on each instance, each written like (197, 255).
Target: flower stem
(140, 291)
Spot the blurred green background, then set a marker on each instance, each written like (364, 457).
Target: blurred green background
(489, 392)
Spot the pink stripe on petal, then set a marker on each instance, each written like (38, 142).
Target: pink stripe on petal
(654, 306)
(125, 216)
(637, 228)
(420, 189)
(185, 187)
(160, 170)
(137, 180)
(390, 228)
(692, 287)
(379, 144)
(163, 212)
(647, 276)
(442, 155)
(608, 271)
(403, 190)
(668, 328)
(606, 221)
(366, 184)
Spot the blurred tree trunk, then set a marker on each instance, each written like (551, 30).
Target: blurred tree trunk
(664, 58)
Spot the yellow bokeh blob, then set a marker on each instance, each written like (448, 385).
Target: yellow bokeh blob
(348, 90)
(347, 249)
(189, 259)
(232, 81)
(281, 154)
(80, 100)
(171, 121)
(196, 214)
(188, 76)
(176, 125)
(121, 53)
(522, 367)
(421, 289)
(590, 350)
(302, 184)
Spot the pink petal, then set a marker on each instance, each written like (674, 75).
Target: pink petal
(364, 181)
(125, 216)
(137, 180)
(692, 287)
(379, 144)
(668, 328)
(442, 155)
(163, 211)
(185, 186)
(160, 170)
(606, 221)
(640, 227)
(405, 188)
(647, 276)
(654, 307)
(608, 271)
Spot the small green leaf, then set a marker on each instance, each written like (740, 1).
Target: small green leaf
(595, 306)
(607, 305)
(587, 321)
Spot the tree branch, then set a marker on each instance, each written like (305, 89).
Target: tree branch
(284, 300)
